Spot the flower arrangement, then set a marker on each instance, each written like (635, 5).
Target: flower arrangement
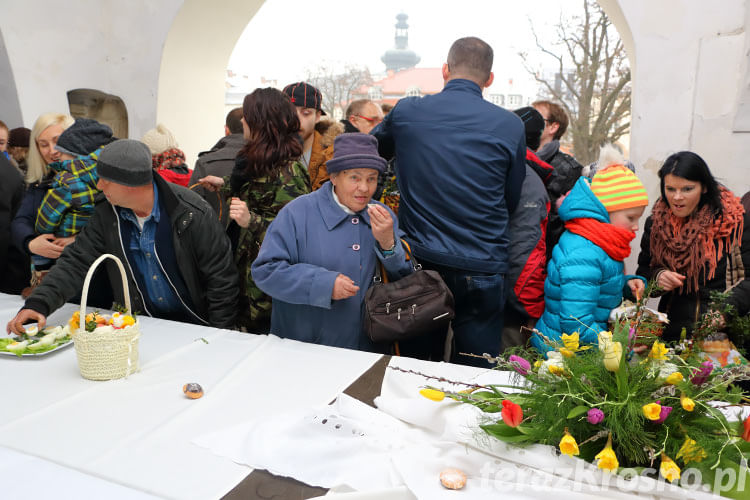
(616, 409)
(94, 320)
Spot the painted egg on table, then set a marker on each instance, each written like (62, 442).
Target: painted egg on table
(192, 390)
(453, 479)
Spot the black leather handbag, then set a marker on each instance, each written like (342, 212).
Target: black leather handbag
(413, 306)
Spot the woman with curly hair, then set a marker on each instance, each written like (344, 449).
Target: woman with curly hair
(267, 175)
(695, 242)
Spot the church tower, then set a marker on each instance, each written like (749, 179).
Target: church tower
(400, 57)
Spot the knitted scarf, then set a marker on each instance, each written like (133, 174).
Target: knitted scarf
(171, 158)
(696, 243)
(614, 240)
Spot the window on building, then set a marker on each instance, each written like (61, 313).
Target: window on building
(413, 91)
(375, 93)
(104, 108)
(514, 100)
(497, 99)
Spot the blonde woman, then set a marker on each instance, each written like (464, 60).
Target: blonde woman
(43, 248)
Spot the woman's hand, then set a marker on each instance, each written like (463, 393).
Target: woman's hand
(45, 245)
(637, 288)
(211, 182)
(669, 280)
(238, 211)
(343, 288)
(63, 242)
(382, 226)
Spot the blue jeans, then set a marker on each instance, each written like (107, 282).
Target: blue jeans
(480, 302)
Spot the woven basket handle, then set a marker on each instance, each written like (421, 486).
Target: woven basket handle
(90, 274)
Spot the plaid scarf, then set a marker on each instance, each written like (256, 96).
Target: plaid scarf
(694, 244)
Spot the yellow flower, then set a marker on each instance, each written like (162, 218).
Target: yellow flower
(567, 352)
(537, 364)
(555, 369)
(687, 403)
(128, 321)
(652, 411)
(691, 452)
(74, 320)
(668, 469)
(675, 378)
(612, 355)
(570, 341)
(568, 445)
(433, 394)
(604, 339)
(607, 459)
(658, 352)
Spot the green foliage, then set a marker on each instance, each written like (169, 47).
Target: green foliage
(555, 403)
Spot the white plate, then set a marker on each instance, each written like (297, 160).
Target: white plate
(61, 346)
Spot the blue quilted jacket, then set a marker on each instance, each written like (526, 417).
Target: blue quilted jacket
(583, 283)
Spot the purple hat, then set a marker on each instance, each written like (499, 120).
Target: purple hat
(355, 150)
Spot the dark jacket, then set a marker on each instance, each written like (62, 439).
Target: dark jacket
(459, 168)
(683, 308)
(527, 260)
(22, 227)
(348, 127)
(202, 255)
(14, 264)
(566, 172)
(219, 161)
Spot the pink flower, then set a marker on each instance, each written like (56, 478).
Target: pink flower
(700, 376)
(663, 414)
(520, 364)
(594, 416)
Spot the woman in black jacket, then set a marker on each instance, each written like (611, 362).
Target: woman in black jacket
(695, 242)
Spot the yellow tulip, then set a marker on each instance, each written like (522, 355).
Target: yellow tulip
(668, 469)
(604, 339)
(537, 364)
(433, 394)
(607, 459)
(652, 411)
(571, 341)
(691, 452)
(675, 378)
(567, 352)
(612, 355)
(687, 403)
(555, 369)
(658, 351)
(568, 445)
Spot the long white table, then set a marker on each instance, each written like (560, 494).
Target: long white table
(137, 431)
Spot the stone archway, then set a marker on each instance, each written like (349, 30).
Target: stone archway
(193, 70)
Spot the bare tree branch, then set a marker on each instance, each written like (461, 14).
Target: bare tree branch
(595, 79)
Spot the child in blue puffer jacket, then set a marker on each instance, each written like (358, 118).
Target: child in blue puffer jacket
(585, 278)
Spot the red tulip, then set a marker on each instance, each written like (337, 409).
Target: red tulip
(512, 413)
(745, 424)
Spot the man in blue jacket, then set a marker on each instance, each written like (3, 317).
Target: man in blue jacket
(459, 168)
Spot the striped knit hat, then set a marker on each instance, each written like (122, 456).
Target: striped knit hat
(618, 188)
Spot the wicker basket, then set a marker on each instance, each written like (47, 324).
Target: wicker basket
(106, 355)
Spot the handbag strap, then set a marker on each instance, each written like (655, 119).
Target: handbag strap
(379, 272)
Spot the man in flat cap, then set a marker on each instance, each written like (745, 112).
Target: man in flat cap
(177, 256)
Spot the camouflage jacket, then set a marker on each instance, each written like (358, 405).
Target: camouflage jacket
(264, 197)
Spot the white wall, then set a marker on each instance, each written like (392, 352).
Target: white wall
(108, 45)
(690, 72)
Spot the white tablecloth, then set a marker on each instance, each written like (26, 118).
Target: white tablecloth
(138, 431)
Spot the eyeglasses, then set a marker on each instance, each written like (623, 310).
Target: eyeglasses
(375, 119)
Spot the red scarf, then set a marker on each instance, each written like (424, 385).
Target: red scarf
(612, 239)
